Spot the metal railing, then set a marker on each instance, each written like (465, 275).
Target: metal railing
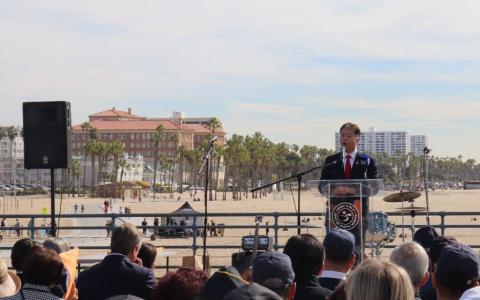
(196, 229)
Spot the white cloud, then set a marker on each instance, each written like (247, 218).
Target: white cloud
(100, 54)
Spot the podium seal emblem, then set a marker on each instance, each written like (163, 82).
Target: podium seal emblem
(345, 216)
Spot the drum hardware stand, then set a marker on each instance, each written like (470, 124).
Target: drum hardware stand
(412, 214)
(403, 222)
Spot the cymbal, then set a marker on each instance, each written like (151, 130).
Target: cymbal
(402, 196)
(415, 208)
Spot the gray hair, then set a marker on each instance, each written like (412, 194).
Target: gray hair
(413, 258)
(125, 238)
(57, 244)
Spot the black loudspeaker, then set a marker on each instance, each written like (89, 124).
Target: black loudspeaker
(46, 135)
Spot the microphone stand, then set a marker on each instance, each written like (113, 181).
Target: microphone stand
(298, 176)
(206, 163)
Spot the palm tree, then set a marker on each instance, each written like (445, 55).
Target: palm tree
(219, 153)
(12, 133)
(74, 172)
(195, 158)
(182, 152)
(86, 127)
(91, 148)
(214, 123)
(117, 149)
(3, 133)
(104, 150)
(164, 164)
(175, 138)
(156, 138)
(123, 166)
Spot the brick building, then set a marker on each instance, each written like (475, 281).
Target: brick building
(135, 132)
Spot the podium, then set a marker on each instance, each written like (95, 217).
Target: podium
(349, 206)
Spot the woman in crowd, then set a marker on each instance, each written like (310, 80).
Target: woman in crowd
(379, 280)
(185, 284)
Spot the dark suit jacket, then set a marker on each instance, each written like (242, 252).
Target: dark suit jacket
(115, 275)
(310, 289)
(329, 283)
(363, 167)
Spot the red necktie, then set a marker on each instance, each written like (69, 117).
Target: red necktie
(348, 166)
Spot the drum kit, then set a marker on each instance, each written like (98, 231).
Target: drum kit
(380, 231)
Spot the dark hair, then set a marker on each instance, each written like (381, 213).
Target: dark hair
(353, 126)
(306, 253)
(124, 239)
(20, 250)
(185, 284)
(42, 266)
(148, 253)
(437, 246)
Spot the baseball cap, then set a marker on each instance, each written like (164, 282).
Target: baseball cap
(252, 292)
(425, 236)
(339, 243)
(221, 283)
(457, 267)
(272, 266)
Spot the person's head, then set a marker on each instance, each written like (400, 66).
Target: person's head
(42, 267)
(456, 271)
(413, 258)
(349, 136)
(379, 280)
(307, 255)
(9, 282)
(148, 253)
(126, 240)
(252, 291)
(58, 245)
(221, 283)
(425, 236)
(437, 247)
(19, 251)
(185, 284)
(339, 247)
(274, 270)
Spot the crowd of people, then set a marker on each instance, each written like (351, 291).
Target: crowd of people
(431, 267)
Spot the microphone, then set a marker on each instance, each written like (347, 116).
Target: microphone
(330, 164)
(214, 139)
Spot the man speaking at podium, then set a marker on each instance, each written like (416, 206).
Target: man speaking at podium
(349, 164)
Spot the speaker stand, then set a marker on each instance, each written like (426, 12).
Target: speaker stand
(52, 203)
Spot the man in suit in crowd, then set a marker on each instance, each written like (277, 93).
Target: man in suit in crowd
(349, 164)
(339, 257)
(307, 255)
(121, 272)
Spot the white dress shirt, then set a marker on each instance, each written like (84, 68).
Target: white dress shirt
(333, 274)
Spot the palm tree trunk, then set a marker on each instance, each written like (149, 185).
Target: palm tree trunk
(93, 175)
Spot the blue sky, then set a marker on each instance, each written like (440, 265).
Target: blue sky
(294, 70)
